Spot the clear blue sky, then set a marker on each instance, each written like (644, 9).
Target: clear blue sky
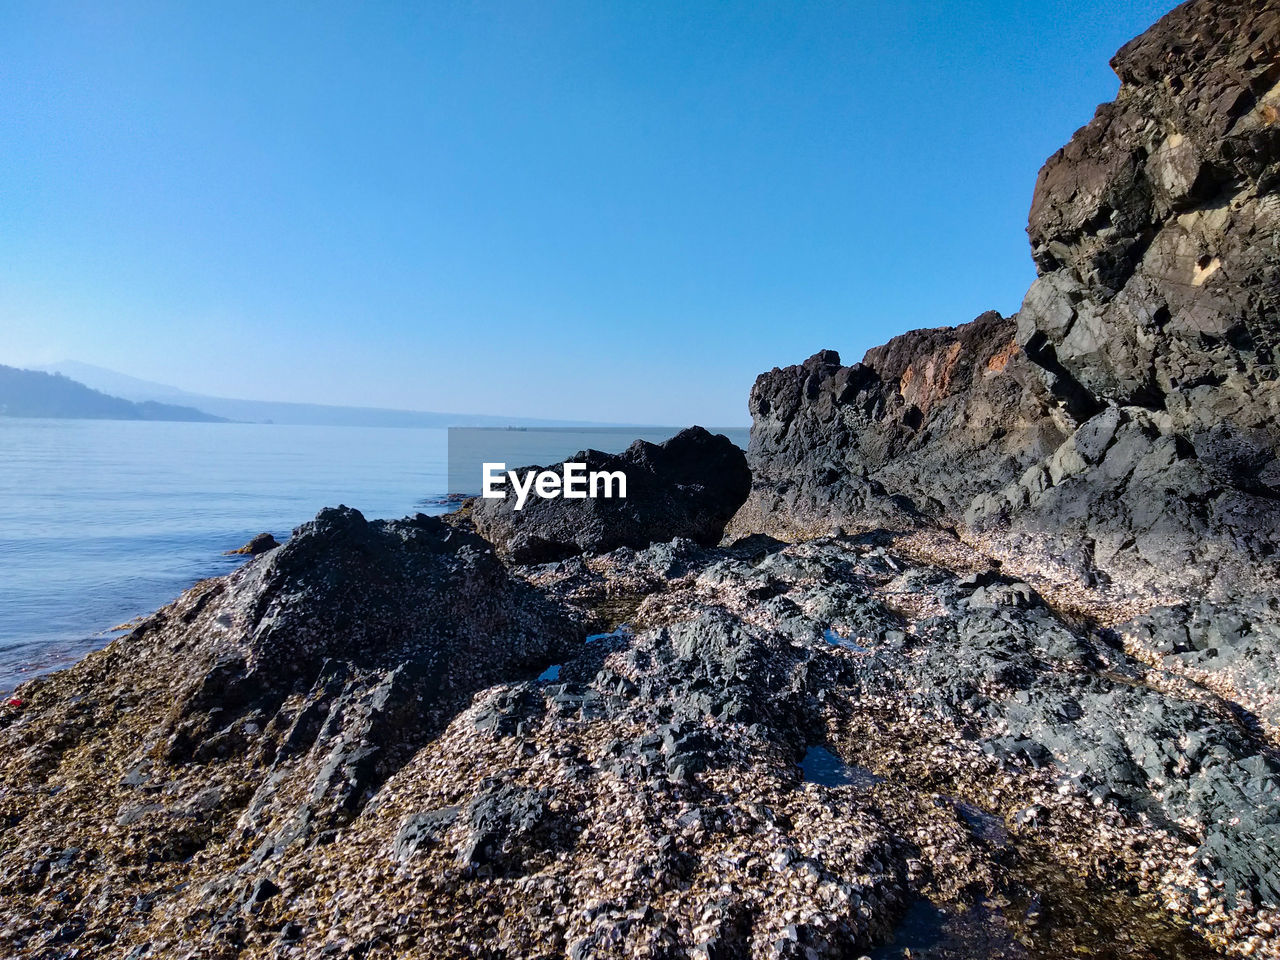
(594, 209)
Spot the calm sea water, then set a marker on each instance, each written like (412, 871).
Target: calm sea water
(101, 521)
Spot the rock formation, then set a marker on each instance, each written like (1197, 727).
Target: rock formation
(687, 486)
(905, 439)
(262, 709)
(672, 791)
(258, 544)
(984, 665)
(1123, 428)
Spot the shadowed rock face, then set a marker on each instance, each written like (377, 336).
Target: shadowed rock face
(1123, 428)
(1155, 232)
(373, 595)
(688, 486)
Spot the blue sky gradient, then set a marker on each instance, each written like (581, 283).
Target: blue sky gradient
(609, 211)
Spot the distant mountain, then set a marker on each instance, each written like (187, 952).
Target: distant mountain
(272, 411)
(116, 384)
(32, 393)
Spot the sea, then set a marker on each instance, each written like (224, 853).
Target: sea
(104, 521)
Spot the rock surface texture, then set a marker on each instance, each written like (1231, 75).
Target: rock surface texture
(259, 544)
(261, 710)
(905, 439)
(791, 751)
(1023, 703)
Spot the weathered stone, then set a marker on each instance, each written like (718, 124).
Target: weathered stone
(1124, 428)
(259, 544)
(688, 486)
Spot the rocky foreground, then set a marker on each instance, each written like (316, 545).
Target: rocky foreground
(976, 653)
(792, 750)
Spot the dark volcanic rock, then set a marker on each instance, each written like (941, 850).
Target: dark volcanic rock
(259, 544)
(1155, 234)
(1124, 428)
(1154, 231)
(1061, 697)
(905, 438)
(505, 825)
(688, 486)
(1232, 648)
(413, 595)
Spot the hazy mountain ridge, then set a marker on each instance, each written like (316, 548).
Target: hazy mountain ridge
(283, 412)
(33, 393)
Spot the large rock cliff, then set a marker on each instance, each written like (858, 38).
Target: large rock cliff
(1122, 430)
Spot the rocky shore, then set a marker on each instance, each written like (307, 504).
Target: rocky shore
(973, 654)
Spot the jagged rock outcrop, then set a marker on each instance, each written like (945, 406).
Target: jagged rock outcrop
(687, 486)
(1123, 429)
(262, 710)
(905, 438)
(1154, 234)
(260, 543)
